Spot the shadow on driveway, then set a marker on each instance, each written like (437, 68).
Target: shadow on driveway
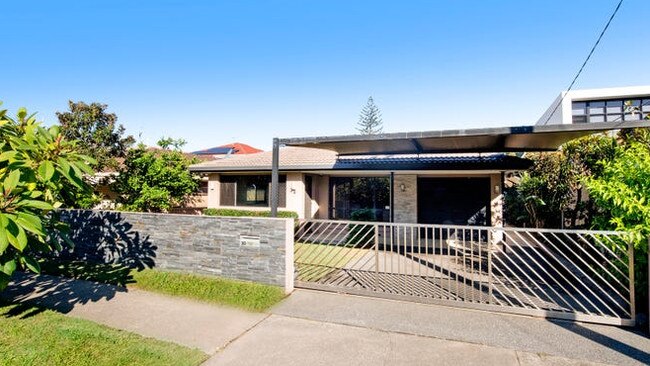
(604, 340)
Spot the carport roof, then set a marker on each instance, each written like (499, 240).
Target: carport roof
(499, 139)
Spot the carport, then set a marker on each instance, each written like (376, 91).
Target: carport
(568, 274)
(480, 140)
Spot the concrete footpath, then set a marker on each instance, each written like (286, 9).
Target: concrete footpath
(318, 328)
(188, 323)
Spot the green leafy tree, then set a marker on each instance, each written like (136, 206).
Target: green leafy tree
(37, 167)
(155, 180)
(370, 122)
(97, 131)
(623, 191)
(553, 189)
(542, 192)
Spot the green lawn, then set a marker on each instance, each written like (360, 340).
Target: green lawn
(244, 295)
(315, 261)
(33, 336)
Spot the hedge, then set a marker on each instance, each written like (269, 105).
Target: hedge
(247, 213)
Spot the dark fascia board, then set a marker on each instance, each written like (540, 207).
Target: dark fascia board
(506, 163)
(504, 135)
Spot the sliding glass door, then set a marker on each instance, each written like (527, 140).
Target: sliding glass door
(360, 198)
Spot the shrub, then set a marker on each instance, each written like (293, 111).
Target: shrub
(360, 235)
(247, 213)
(39, 168)
(155, 180)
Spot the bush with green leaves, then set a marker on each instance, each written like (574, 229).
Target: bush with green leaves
(155, 180)
(623, 193)
(553, 189)
(38, 169)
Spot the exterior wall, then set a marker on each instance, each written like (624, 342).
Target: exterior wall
(322, 192)
(496, 200)
(214, 191)
(405, 202)
(311, 202)
(201, 244)
(296, 194)
(496, 207)
(196, 201)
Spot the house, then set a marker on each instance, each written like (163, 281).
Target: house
(433, 177)
(317, 183)
(228, 149)
(630, 103)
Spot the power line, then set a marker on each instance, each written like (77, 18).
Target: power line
(586, 60)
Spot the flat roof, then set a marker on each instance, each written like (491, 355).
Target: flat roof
(498, 139)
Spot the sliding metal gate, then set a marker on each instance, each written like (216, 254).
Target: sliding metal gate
(568, 274)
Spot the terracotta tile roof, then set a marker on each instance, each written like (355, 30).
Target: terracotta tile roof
(239, 148)
(234, 148)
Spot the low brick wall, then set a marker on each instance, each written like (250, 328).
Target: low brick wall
(243, 248)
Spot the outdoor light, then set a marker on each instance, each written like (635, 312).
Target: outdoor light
(402, 187)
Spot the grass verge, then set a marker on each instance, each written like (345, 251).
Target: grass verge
(244, 295)
(34, 336)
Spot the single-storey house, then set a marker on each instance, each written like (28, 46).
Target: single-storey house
(435, 177)
(318, 183)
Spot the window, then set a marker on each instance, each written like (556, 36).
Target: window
(610, 110)
(645, 108)
(250, 190)
(360, 198)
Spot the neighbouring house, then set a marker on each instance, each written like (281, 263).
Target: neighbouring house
(199, 201)
(318, 183)
(222, 151)
(631, 103)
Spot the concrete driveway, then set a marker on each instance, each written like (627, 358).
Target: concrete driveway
(319, 328)
(281, 340)
(523, 335)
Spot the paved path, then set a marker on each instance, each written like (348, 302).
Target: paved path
(189, 323)
(317, 328)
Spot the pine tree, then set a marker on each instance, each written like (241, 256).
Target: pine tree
(370, 122)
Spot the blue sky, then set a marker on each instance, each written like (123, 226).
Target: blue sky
(215, 72)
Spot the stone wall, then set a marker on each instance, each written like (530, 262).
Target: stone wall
(243, 248)
(405, 201)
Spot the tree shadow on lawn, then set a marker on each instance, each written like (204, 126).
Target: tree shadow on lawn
(52, 292)
(107, 249)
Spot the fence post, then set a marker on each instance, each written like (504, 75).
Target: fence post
(630, 255)
(490, 266)
(376, 256)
